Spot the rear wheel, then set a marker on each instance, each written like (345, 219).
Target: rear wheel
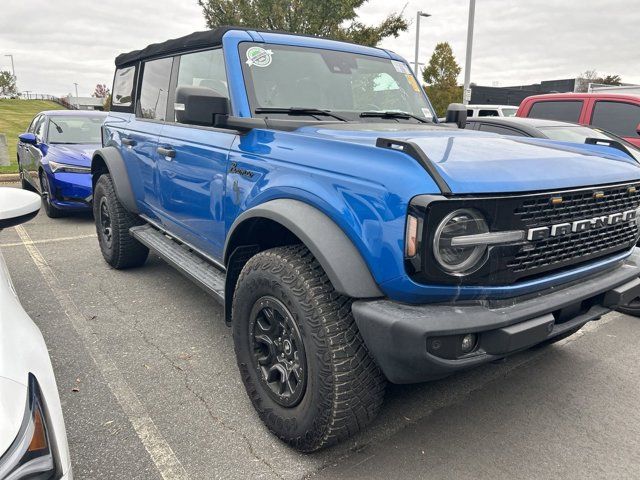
(113, 221)
(300, 354)
(51, 210)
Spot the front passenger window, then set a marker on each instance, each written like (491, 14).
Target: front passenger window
(204, 69)
(155, 89)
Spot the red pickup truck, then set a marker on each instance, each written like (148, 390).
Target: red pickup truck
(619, 114)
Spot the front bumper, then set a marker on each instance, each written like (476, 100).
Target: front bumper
(71, 191)
(400, 337)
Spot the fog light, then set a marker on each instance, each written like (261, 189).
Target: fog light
(468, 342)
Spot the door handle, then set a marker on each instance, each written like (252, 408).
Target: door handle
(129, 142)
(166, 152)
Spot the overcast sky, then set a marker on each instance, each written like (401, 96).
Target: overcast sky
(55, 44)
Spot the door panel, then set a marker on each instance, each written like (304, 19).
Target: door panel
(192, 184)
(139, 139)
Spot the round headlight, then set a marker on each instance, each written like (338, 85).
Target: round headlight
(459, 260)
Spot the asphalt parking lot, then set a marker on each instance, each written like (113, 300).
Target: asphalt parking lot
(150, 389)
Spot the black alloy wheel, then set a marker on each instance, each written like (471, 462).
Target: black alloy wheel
(104, 222)
(278, 351)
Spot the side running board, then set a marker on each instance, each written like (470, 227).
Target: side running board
(415, 152)
(184, 259)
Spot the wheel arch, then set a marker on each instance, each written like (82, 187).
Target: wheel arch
(108, 160)
(285, 221)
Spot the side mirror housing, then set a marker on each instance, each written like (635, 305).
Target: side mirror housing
(29, 138)
(457, 113)
(199, 105)
(17, 206)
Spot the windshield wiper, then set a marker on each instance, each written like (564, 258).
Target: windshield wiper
(301, 111)
(393, 114)
(58, 127)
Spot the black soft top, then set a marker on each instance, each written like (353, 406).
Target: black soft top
(193, 41)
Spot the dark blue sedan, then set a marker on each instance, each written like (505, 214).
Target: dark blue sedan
(54, 158)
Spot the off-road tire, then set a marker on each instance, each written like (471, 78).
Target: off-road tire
(344, 387)
(632, 308)
(122, 250)
(51, 210)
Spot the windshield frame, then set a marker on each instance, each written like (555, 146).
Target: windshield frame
(354, 114)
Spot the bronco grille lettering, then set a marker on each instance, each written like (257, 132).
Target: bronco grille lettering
(560, 229)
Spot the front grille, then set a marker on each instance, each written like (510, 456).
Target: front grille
(576, 247)
(539, 211)
(508, 264)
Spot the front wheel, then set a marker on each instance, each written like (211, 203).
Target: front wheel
(301, 357)
(632, 308)
(49, 208)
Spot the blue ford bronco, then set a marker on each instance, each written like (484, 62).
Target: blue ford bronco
(352, 240)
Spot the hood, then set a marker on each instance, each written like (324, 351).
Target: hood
(75, 154)
(472, 162)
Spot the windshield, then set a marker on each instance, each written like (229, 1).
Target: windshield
(75, 129)
(579, 134)
(509, 112)
(283, 77)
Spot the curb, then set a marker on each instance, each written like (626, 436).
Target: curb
(9, 177)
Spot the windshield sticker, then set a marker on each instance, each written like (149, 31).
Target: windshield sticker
(259, 57)
(427, 112)
(400, 67)
(412, 81)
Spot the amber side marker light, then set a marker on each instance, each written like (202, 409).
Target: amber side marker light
(411, 245)
(39, 439)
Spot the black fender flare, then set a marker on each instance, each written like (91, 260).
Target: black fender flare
(335, 252)
(118, 171)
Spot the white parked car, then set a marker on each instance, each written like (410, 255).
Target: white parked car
(33, 441)
(491, 111)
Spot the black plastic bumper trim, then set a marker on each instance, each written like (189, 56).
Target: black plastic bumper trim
(396, 334)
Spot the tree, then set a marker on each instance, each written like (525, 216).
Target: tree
(441, 76)
(7, 83)
(591, 76)
(611, 80)
(325, 18)
(101, 91)
(106, 105)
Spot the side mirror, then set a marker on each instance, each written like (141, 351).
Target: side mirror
(199, 105)
(17, 206)
(29, 138)
(457, 113)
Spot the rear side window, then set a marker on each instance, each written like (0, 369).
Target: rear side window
(565, 111)
(154, 91)
(488, 113)
(617, 117)
(123, 87)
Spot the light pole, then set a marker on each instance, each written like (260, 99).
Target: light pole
(13, 69)
(415, 63)
(466, 95)
(77, 102)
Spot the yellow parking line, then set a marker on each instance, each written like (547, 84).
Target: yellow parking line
(159, 450)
